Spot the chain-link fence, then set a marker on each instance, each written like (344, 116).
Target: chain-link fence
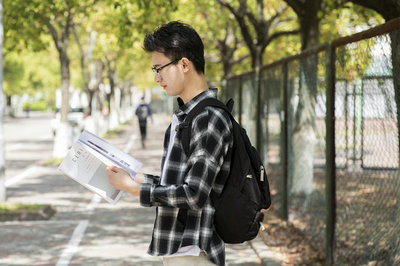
(367, 148)
(330, 141)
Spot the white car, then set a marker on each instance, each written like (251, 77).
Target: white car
(76, 118)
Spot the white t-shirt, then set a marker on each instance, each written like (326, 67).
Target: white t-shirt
(192, 250)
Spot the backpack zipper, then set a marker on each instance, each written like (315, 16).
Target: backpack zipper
(261, 173)
(262, 226)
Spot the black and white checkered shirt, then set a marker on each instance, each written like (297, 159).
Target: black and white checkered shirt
(189, 181)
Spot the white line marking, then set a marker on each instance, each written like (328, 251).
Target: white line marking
(19, 177)
(130, 143)
(14, 147)
(93, 203)
(38, 222)
(73, 244)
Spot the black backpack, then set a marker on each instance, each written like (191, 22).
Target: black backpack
(238, 214)
(142, 112)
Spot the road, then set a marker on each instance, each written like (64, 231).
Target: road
(85, 229)
(27, 142)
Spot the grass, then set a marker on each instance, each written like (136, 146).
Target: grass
(18, 208)
(116, 132)
(112, 133)
(53, 161)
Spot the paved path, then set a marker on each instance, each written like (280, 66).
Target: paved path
(87, 230)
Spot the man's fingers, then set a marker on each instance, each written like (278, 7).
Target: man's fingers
(112, 168)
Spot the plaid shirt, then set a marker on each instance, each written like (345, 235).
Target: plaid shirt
(189, 181)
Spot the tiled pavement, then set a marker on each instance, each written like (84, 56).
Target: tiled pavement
(89, 231)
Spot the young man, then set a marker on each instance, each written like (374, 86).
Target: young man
(142, 112)
(183, 230)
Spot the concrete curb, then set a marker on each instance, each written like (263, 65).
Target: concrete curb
(266, 256)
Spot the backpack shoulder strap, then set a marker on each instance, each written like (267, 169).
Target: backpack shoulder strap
(185, 126)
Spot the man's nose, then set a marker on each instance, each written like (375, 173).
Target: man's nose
(157, 77)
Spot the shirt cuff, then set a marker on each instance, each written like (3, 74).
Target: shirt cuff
(151, 179)
(145, 194)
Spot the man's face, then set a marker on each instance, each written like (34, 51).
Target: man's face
(170, 77)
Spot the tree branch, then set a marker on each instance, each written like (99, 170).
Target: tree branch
(388, 9)
(54, 35)
(242, 23)
(228, 6)
(240, 59)
(279, 34)
(85, 75)
(296, 5)
(66, 30)
(278, 14)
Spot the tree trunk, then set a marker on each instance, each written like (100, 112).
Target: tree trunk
(304, 138)
(90, 95)
(63, 139)
(9, 108)
(90, 88)
(258, 79)
(113, 108)
(2, 147)
(65, 79)
(304, 125)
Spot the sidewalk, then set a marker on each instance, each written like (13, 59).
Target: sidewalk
(87, 230)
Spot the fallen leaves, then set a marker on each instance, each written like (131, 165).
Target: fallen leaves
(292, 246)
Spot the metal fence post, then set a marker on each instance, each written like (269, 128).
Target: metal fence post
(258, 80)
(330, 156)
(240, 99)
(284, 142)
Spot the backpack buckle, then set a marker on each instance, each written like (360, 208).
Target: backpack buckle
(181, 126)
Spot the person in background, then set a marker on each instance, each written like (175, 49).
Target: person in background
(27, 109)
(142, 112)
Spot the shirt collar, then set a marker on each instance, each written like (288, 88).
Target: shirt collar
(184, 109)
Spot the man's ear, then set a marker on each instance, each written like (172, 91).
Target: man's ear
(186, 64)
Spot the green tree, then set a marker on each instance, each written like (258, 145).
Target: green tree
(91, 69)
(223, 47)
(259, 26)
(123, 26)
(30, 20)
(223, 34)
(13, 72)
(29, 72)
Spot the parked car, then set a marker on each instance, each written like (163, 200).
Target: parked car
(76, 118)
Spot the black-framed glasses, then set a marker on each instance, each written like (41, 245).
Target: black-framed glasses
(157, 70)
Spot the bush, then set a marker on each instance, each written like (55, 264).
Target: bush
(36, 106)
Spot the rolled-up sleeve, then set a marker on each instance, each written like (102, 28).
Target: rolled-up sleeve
(150, 181)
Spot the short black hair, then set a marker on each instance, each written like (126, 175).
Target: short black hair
(176, 40)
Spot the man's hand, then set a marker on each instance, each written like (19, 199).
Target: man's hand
(120, 179)
(139, 178)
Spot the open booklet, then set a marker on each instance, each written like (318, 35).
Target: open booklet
(86, 163)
